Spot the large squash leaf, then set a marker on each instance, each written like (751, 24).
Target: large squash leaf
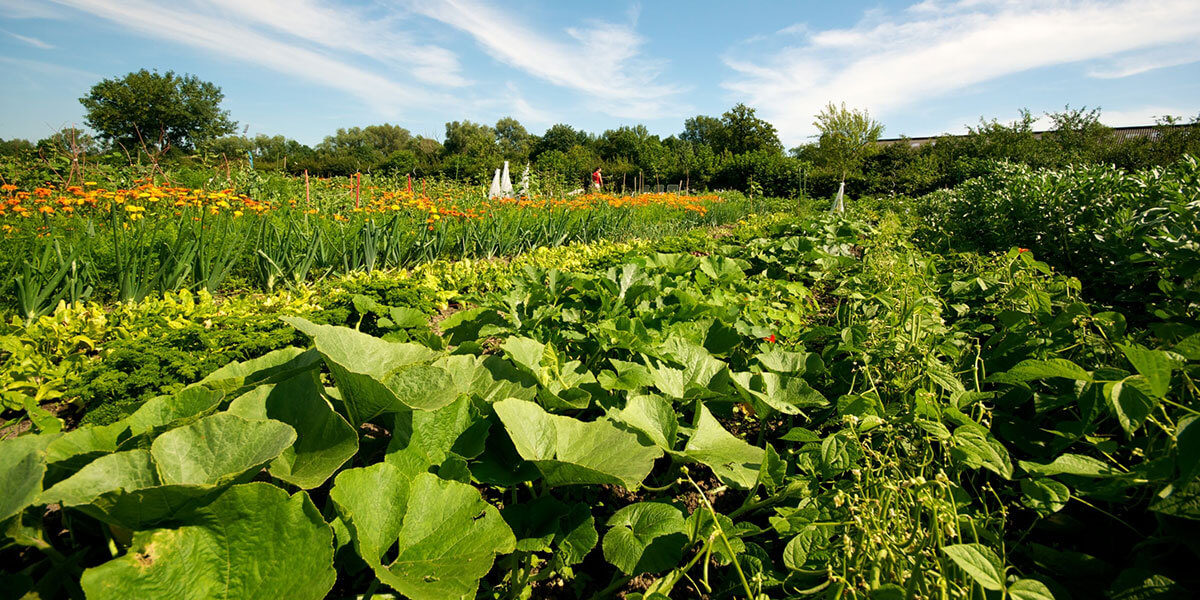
(252, 541)
(376, 376)
(568, 451)
(446, 537)
(422, 439)
(654, 416)
(218, 449)
(732, 460)
(645, 537)
(143, 487)
(22, 467)
(324, 440)
(272, 367)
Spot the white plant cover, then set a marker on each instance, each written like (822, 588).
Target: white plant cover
(524, 184)
(506, 188)
(839, 206)
(494, 191)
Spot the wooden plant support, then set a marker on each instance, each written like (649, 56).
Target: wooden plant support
(306, 194)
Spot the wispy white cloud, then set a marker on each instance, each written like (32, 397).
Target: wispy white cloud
(32, 41)
(1147, 115)
(601, 60)
(889, 61)
(376, 35)
(45, 68)
(1136, 63)
(24, 9)
(190, 24)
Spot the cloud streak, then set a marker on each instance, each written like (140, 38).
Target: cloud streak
(373, 35)
(891, 61)
(32, 41)
(180, 23)
(601, 61)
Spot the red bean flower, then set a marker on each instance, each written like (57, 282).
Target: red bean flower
(770, 338)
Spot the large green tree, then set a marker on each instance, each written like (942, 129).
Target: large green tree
(702, 129)
(157, 110)
(744, 132)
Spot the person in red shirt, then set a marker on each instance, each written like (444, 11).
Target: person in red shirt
(597, 180)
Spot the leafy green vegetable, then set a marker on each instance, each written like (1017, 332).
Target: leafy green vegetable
(253, 540)
(645, 537)
(979, 562)
(324, 440)
(733, 460)
(22, 466)
(445, 535)
(568, 451)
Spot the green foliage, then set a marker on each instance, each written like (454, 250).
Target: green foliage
(847, 137)
(1126, 235)
(804, 404)
(157, 111)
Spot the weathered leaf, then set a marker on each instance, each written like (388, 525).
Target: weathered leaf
(645, 537)
(252, 541)
(979, 562)
(568, 451)
(732, 460)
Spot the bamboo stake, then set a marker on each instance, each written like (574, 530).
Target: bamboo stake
(306, 194)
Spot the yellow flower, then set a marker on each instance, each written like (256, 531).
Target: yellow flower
(237, 213)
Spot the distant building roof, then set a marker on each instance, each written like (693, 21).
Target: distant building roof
(1122, 133)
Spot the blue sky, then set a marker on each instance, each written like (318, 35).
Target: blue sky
(304, 68)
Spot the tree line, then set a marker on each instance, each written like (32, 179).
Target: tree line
(178, 119)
